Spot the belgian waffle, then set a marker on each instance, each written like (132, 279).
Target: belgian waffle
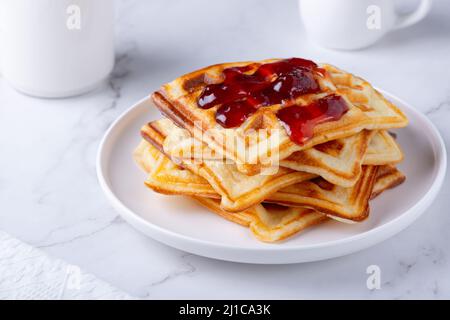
(272, 223)
(348, 204)
(238, 191)
(268, 222)
(338, 161)
(276, 145)
(383, 150)
(166, 177)
(368, 109)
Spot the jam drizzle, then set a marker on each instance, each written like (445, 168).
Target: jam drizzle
(241, 94)
(299, 121)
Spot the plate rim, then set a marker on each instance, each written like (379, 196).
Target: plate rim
(391, 228)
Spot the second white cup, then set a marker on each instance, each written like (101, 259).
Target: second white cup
(355, 24)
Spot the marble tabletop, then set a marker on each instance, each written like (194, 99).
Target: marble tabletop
(50, 198)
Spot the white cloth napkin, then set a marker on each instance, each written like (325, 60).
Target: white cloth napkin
(28, 273)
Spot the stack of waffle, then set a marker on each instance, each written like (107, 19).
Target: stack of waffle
(330, 174)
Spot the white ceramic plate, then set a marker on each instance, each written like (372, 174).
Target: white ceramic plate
(181, 223)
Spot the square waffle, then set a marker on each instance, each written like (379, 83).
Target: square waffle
(272, 223)
(348, 204)
(383, 149)
(388, 177)
(339, 161)
(268, 222)
(368, 109)
(238, 191)
(168, 178)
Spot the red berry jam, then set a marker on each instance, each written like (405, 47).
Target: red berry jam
(241, 94)
(299, 121)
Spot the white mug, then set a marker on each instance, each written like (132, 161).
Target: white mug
(355, 24)
(56, 48)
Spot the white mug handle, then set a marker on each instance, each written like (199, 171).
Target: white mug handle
(415, 16)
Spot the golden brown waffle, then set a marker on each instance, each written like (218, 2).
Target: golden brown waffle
(346, 204)
(368, 110)
(269, 223)
(349, 204)
(388, 177)
(238, 191)
(168, 178)
(383, 150)
(338, 161)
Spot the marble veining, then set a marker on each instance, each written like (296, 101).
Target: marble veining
(50, 198)
(186, 268)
